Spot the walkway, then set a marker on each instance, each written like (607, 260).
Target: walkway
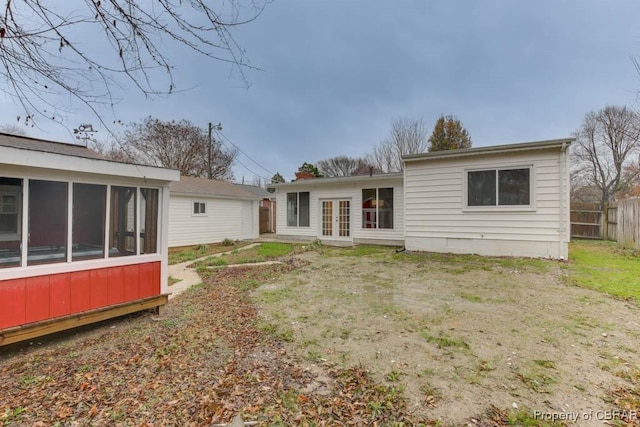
(189, 276)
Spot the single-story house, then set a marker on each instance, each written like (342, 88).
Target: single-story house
(509, 200)
(208, 211)
(343, 210)
(82, 239)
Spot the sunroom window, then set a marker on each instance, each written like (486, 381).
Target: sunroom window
(10, 221)
(122, 239)
(88, 221)
(47, 241)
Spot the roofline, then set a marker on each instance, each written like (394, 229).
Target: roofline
(45, 159)
(340, 179)
(212, 195)
(64, 144)
(493, 149)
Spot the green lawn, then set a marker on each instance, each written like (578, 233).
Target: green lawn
(605, 267)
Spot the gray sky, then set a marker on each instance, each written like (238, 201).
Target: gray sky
(336, 73)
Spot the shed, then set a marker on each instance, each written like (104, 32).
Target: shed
(510, 200)
(343, 210)
(208, 211)
(82, 239)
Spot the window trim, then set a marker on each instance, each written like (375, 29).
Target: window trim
(377, 209)
(193, 208)
(7, 190)
(297, 209)
(499, 208)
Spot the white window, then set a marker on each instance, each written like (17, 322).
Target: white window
(199, 208)
(499, 187)
(377, 208)
(10, 204)
(298, 209)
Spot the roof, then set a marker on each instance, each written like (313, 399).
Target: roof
(39, 153)
(34, 144)
(494, 149)
(342, 179)
(191, 186)
(258, 191)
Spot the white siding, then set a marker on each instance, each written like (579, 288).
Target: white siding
(223, 220)
(250, 220)
(351, 191)
(436, 219)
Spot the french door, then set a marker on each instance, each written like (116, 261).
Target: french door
(336, 219)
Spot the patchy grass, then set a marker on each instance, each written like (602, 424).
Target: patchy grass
(444, 341)
(189, 253)
(462, 263)
(173, 280)
(265, 252)
(605, 267)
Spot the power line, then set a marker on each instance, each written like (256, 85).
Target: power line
(245, 166)
(218, 131)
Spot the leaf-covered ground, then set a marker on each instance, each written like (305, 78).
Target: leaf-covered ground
(206, 361)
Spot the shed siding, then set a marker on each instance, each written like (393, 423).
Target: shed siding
(437, 221)
(352, 192)
(223, 220)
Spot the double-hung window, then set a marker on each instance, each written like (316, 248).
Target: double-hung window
(499, 187)
(298, 209)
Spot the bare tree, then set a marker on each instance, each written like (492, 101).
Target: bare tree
(178, 145)
(607, 142)
(85, 48)
(345, 166)
(407, 136)
(13, 130)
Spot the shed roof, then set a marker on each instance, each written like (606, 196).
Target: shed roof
(258, 191)
(211, 188)
(493, 149)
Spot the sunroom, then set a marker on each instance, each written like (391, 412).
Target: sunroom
(82, 239)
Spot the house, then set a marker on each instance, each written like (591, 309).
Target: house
(343, 210)
(208, 211)
(510, 200)
(82, 239)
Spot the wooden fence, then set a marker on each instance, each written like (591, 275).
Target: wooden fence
(626, 230)
(619, 221)
(586, 221)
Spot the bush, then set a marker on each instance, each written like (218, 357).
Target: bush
(228, 242)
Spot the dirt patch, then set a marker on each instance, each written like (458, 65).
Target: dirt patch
(461, 335)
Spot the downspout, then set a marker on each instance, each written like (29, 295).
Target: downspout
(563, 200)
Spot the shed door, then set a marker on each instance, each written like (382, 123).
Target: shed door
(335, 218)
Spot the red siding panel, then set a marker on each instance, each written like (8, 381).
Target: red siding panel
(146, 280)
(131, 282)
(60, 294)
(99, 288)
(156, 278)
(115, 283)
(37, 299)
(12, 303)
(80, 291)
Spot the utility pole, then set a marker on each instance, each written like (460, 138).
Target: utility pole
(217, 127)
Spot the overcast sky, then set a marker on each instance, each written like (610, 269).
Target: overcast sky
(336, 73)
